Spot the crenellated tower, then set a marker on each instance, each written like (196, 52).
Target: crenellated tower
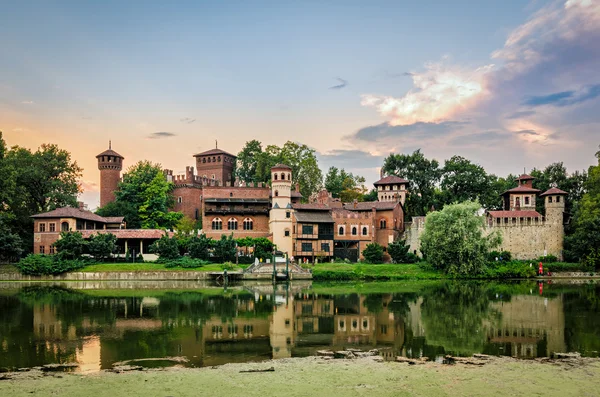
(280, 216)
(110, 164)
(554, 203)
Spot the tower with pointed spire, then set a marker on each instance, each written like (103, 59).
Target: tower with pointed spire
(110, 164)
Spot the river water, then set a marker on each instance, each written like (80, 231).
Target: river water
(98, 325)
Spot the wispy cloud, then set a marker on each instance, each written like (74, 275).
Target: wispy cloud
(160, 135)
(351, 159)
(343, 83)
(27, 102)
(520, 114)
(89, 186)
(565, 98)
(187, 120)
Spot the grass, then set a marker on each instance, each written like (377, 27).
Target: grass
(360, 271)
(152, 267)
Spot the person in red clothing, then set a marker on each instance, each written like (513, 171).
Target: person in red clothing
(541, 269)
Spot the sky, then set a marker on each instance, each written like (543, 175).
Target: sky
(508, 84)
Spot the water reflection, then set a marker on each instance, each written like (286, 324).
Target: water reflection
(97, 328)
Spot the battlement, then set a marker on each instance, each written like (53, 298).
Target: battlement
(515, 222)
(345, 214)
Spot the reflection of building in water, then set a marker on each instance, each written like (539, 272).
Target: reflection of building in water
(530, 324)
(282, 333)
(414, 318)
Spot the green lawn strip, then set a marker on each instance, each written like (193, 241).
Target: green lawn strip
(343, 271)
(8, 269)
(150, 267)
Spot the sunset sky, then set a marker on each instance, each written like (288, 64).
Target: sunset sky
(507, 84)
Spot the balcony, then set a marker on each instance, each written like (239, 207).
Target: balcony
(242, 211)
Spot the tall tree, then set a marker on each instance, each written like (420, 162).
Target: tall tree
(556, 175)
(247, 161)
(344, 185)
(423, 175)
(463, 181)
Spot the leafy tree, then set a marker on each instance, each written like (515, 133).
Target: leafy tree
(556, 175)
(102, 245)
(199, 247)
(247, 161)
(462, 181)
(11, 246)
(166, 248)
(373, 253)
(224, 249)
(423, 176)
(454, 241)
(398, 250)
(371, 196)
(344, 185)
(70, 245)
(263, 247)
(147, 190)
(122, 208)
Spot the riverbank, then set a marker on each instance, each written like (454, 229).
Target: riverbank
(313, 376)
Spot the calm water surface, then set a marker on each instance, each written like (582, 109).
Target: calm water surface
(98, 325)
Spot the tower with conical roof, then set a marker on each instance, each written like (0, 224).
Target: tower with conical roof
(280, 219)
(110, 164)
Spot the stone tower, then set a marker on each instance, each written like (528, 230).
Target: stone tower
(554, 203)
(391, 188)
(280, 216)
(110, 164)
(217, 166)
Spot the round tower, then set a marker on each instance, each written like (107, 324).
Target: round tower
(110, 164)
(554, 203)
(280, 216)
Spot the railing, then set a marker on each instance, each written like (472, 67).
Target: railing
(247, 211)
(311, 253)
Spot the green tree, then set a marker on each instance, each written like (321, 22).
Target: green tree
(373, 253)
(147, 190)
(454, 240)
(70, 245)
(102, 245)
(371, 196)
(398, 250)
(247, 161)
(344, 185)
(263, 247)
(556, 175)
(199, 247)
(125, 209)
(423, 176)
(11, 245)
(463, 181)
(166, 248)
(224, 249)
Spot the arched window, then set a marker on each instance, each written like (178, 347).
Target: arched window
(204, 160)
(232, 224)
(276, 193)
(180, 199)
(214, 159)
(341, 231)
(248, 224)
(382, 224)
(282, 176)
(219, 159)
(217, 224)
(365, 231)
(230, 194)
(289, 177)
(208, 159)
(64, 227)
(275, 175)
(196, 214)
(354, 231)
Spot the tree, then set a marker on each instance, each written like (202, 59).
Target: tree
(199, 247)
(423, 175)
(145, 188)
(398, 250)
(70, 245)
(371, 196)
(224, 249)
(454, 241)
(556, 175)
(102, 245)
(462, 181)
(247, 160)
(373, 253)
(10, 244)
(263, 247)
(166, 248)
(125, 209)
(344, 185)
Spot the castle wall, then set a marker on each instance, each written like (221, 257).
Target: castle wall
(191, 201)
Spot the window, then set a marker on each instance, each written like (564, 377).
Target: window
(306, 247)
(213, 176)
(51, 249)
(217, 224)
(219, 159)
(365, 231)
(196, 214)
(42, 249)
(275, 175)
(209, 159)
(307, 229)
(42, 227)
(276, 193)
(230, 194)
(558, 199)
(232, 224)
(289, 177)
(180, 199)
(341, 231)
(382, 224)
(282, 176)
(204, 160)
(52, 227)
(549, 199)
(354, 230)
(286, 232)
(526, 200)
(64, 226)
(214, 159)
(248, 224)
(287, 214)
(325, 247)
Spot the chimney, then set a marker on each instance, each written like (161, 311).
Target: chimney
(81, 205)
(381, 173)
(355, 203)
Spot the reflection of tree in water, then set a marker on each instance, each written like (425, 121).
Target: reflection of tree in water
(582, 319)
(454, 316)
(399, 304)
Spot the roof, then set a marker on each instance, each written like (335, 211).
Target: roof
(554, 190)
(514, 214)
(368, 205)
(237, 200)
(70, 212)
(524, 177)
(390, 179)
(128, 233)
(313, 217)
(521, 189)
(114, 219)
(296, 193)
(110, 152)
(281, 167)
(311, 207)
(213, 152)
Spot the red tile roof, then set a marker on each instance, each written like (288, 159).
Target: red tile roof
(70, 212)
(521, 189)
(390, 179)
(281, 167)
(514, 214)
(110, 152)
(368, 205)
(524, 177)
(553, 190)
(128, 233)
(213, 152)
(312, 207)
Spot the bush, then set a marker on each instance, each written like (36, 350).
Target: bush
(245, 260)
(199, 247)
(547, 259)
(227, 266)
(70, 245)
(185, 262)
(224, 249)
(166, 248)
(102, 245)
(373, 253)
(398, 250)
(40, 265)
(505, 256)
(514, 269)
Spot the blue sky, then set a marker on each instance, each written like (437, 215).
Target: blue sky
(508, 84)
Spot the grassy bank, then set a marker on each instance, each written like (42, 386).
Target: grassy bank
(317, 377)
(153, 267)
(359, 271)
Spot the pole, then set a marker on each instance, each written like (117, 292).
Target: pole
(287, 263)
(274, 268)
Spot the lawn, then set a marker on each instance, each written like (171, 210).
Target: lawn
(152, 267)
(360, 271)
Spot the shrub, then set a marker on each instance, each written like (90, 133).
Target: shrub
(505, 256)
(166, 248)
(245, 260)
(40, 264)
(199, 247)
(547, 259)
(102, 245)
(224, 249)
(514, 269)
(70, 245)
(185, 262)
(398, 250)
(373, 253)
(227, 266)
